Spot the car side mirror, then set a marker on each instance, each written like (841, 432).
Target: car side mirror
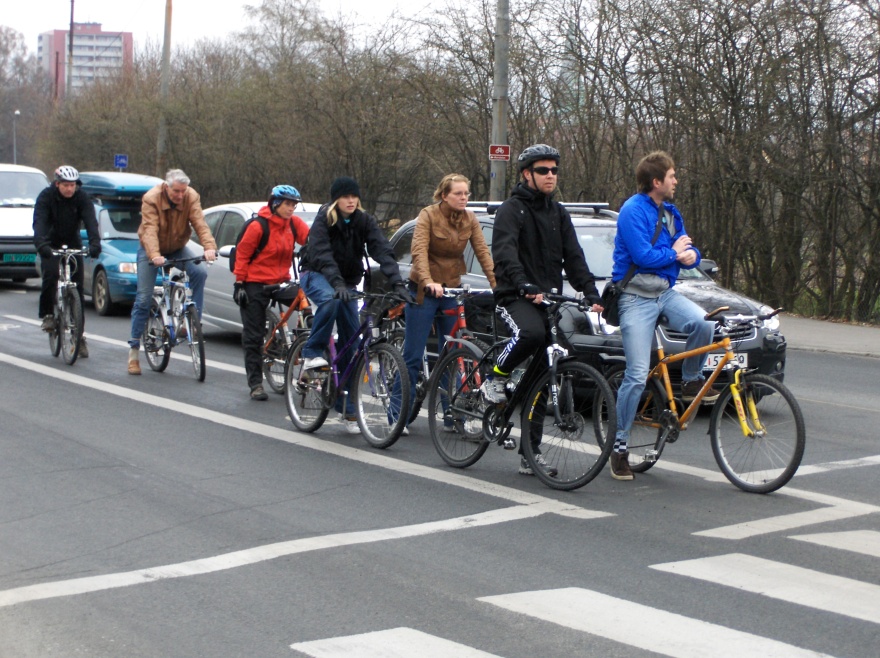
(225, 250)
(709, 267)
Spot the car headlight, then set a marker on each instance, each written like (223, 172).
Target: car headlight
(771, 324)
(128, 268)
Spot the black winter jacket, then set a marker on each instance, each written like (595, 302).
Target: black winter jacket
(57, 221)
(337, 252)
(533, 242)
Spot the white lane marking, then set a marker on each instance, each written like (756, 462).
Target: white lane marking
(179, 354)
(873, 460)
(803, 401)
(260, 554)
(784, 582)
(648, 628)
(393, 643)
(866, 542)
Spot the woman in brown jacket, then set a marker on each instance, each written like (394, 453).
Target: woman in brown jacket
(442, 233)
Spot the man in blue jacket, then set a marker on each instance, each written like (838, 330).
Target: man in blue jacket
(650, 293)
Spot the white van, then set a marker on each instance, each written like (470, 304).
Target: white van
(19, 188)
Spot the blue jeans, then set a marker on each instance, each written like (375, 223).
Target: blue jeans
(419, 319)
(329, 310)
(638, 317)
(146, 280)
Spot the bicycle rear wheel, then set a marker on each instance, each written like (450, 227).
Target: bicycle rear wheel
(456, 408)
(274, 356)
(157, 347)
(70, 327)
(768, 459)
(644, 435)
(573, 452)
(196, 341)
(309, 393)
(381, 395)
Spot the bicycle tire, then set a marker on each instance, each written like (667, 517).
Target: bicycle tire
(645, 432)
(763, 463)
(196, 342)
(307, 392)
(575, 452)
(381, 393)
(54, 337)
(275, 356)
(155, 339)
(457, 436)
(422, 387)
(70, 326)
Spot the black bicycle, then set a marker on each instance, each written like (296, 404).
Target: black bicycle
(67, 330)
(565, 447)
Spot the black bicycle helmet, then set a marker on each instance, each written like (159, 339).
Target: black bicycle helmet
(534, 153)
(66, 174)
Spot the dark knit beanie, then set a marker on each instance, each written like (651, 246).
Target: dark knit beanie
(342, 186)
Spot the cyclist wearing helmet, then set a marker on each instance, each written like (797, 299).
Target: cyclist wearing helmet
(532, 243)
(256, 268)
(169, 214)
(59, 212)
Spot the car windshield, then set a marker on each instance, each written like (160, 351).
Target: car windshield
(598, 245)
(119, 222)
(20, 188)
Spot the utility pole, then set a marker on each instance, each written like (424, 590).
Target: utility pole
(15, 116)
(497, 184)
(162, 139)
(67, 88)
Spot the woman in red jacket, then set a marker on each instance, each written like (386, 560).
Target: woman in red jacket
(256, 268)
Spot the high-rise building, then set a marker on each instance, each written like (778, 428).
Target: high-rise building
(96, 54)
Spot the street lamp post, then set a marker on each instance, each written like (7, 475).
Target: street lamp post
(15, 116)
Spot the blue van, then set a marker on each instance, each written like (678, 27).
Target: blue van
(111, 278)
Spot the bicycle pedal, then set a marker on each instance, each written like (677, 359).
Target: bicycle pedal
(508, 444)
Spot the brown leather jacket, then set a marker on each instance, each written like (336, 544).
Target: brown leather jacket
(165, 229)
(438, 245)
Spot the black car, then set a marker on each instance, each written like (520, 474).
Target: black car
(590, 337)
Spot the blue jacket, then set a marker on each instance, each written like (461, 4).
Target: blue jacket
(635, 228)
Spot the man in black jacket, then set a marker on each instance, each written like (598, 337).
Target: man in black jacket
(59, 212)
(533, 241)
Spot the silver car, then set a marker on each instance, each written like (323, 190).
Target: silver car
(225, 222)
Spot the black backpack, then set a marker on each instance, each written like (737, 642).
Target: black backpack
(264, 224)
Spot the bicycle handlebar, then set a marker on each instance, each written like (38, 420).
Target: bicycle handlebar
(64, 250)
(465, 291)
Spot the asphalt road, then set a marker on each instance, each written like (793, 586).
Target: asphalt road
(156, 516)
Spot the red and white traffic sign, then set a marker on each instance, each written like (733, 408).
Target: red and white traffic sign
(499, 152)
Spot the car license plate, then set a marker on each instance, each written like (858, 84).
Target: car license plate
(19, 258)
(712, 360)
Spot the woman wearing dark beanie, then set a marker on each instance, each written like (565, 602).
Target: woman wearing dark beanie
(333, 265)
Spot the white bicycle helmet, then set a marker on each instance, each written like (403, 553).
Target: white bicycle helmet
(66, 174)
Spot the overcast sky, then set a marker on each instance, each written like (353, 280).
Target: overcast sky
(191, 19)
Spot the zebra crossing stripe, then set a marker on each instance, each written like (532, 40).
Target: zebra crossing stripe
(866, 542)
(641, 626)
(785, 582)
(393, 643)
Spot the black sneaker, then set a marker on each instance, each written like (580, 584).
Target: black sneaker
(690, 389)
(525, 469)
(620, 469)
(257, 393)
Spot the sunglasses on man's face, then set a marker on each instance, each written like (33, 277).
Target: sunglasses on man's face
(543, 171)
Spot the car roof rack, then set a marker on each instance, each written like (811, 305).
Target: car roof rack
(491, 207)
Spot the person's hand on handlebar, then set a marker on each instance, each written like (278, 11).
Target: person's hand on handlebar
(401, 290)
(158, 261)
(594, 301)
(434, 289)
(210, 255)
(531, 292)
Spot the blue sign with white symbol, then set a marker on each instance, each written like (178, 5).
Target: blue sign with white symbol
(120, 161)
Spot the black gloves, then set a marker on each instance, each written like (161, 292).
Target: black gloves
(343, 294)
(402, 291)
(239, 294)
(45, 251)
(592, 299)
(528, 289)
(94, 251)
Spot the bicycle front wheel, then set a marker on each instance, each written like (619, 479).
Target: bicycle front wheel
(308, 393)
(70, 326)
(381, 394)
(157, 347)
(196, 342)
(275, 355)
(568, 454)
(764, 458)
(55, 334)
(456, 408)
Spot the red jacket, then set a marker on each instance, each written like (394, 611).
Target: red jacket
(272, 265)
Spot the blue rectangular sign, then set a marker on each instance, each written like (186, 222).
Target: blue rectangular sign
(120, 161)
